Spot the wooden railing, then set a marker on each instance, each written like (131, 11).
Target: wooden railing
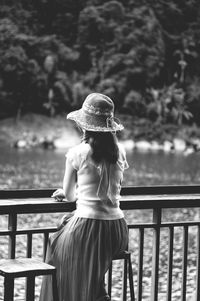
(158, 202)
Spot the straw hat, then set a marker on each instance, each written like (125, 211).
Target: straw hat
(96, 114)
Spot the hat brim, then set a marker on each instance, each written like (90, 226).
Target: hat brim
(94, 123)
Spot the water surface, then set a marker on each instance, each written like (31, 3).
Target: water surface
(38, 168)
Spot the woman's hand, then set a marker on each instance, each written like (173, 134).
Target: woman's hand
(58, 195)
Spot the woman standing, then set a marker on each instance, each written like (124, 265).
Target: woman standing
(83, 249)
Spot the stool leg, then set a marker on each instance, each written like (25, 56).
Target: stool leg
(124, 284)
(8, 288)
(110, 280)
(54, 286)
(130, 273)
(30, 288)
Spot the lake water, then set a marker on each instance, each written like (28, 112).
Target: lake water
(38, 168)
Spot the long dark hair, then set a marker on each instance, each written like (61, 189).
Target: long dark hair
(104, 146)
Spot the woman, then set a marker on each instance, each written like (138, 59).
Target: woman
(82, 250)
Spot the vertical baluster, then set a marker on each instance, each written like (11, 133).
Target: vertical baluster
(155, 256)
(184, 268)
(140, 263)
(12, 226)
(29, 245)
(45, 243)
(170, 263)
(198, 265)
(29, 255)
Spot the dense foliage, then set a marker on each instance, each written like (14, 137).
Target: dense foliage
(145, 54)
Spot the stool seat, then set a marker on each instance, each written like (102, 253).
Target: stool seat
(122, 255)
(22, 267)
(29, 268)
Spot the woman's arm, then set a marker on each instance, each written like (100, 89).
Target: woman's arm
(69, 184)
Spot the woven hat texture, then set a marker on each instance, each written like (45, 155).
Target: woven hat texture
(96, 114)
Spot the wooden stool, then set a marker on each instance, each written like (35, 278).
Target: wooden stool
(25, 267)
(126, 256)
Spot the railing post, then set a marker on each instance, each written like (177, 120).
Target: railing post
(184, 268)
(198, 265)
(155, 257)
(140, 263)
(12, 226)
(170, 263)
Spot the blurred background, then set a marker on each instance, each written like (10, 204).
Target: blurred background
(144, 54)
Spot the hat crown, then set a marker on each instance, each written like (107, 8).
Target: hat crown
(96, 114)
(98, 104)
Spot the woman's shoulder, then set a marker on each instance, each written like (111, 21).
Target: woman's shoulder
(80, 149)
(77, 154)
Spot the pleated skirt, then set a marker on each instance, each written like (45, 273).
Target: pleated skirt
(82, 251)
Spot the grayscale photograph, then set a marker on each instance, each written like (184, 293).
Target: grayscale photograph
(99, 150)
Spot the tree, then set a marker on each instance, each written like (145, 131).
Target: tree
(117, 47)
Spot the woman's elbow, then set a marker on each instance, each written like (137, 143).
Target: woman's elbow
(70, 197)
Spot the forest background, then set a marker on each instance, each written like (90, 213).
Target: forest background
(144, 54)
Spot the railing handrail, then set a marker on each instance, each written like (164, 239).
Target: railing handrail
(33, 201)
(126, 190)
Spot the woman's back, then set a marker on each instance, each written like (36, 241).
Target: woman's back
(98, 184)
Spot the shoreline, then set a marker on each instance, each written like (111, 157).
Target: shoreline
(34, 130)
